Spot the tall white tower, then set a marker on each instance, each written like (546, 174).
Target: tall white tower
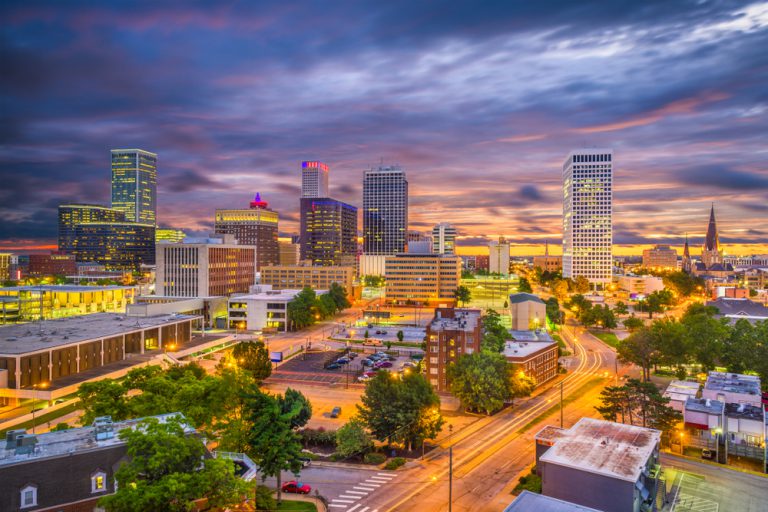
(588, 215)
(444, 238)
(498, 257)
(314, 179)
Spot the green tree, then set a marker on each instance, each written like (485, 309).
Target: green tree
(272, 442)
(559, 289)
(639, 348)
(463, 295)
(103, 398)
(613, 404)
(620, 308)
(253, 357)
(339, 296)
(373, 281)
(741, 346)
(524, 286)
(673, 343)
(553, 310)
(353, 439)
(633, 323)
(480, 381)
(581, 285)
(165, 470)
(61, 426)
(403, 410)
(298, 406)
(400, 336)
(495, 334)
(301, 310)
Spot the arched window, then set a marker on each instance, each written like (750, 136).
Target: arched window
(29, 496)
(98, 481)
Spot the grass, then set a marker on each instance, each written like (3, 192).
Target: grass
(591, 383)
(606, 337)
(530, 482)
(297, 506)
(394, 463)
(42, 419)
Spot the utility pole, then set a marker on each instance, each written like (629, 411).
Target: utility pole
(561, 404)
(450, 468)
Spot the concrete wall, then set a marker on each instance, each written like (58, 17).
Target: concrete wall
(588, 489)
(524, 313)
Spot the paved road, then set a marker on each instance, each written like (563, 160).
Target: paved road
(699, 487)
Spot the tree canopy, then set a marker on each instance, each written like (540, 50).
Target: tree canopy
(495, 334)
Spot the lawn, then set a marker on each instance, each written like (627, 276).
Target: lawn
(607, 337)
(302, 506)
(42, 419)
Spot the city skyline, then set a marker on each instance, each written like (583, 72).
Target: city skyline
(481, 126)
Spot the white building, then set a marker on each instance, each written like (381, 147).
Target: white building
(264, 308)
(732, 388)
(372, 264)
(314, 179)
(588, 215)
(679, 391)
(443, 239)
(385, 210)
(640, 285)
(498, 258)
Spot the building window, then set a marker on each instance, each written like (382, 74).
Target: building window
(99, 482)
(29, 496)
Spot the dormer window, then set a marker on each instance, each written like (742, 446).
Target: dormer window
(98, 482)
(29, 496)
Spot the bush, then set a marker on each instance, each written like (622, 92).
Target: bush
(264, 499)
(318, 437)
(374, 458)
(395, 463)
(530, 482)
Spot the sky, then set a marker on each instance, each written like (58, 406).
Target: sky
(480, 102)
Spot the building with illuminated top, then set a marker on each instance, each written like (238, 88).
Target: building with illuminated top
(660, 256)
(588, 216)
(134, 184)
(328, 232)
(255, 226)
(385, 210)
(72, 215)
(444, 238)
(169, 235)
(314, 179)
(116, 245)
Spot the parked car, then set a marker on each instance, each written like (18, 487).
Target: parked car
(343, 360)
(370, 373)
(379, 332)
(336, 412)
(296, 487)
(383, 364)
(409, 364)
(373, 342)
(363, 378)
(384, 332)
(305, 461)
(351, 355)
(706, 453)
(333, 366)
(367, 362)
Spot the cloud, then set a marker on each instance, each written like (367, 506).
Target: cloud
(723, 177)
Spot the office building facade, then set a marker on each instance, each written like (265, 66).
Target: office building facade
(281, 277)
(169, 235)
(498, 257)
(255, 226)
(444, 238)
(314, 179)
(588, 216)
(134, 184)
(661, 257)
(72, 215)
(52, 264)
(328, 232)
(422, 278)
(385, 210)
(116, 245)
(5, 266)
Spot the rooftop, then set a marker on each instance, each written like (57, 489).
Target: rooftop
(733, 383)
(517, 298)
(29, 337)
(611, 449)
(704, 405)
(682, 389)
(526, 348)
(550, 433)
(68, 288)
(287, 294)
(529, 501)
(736, 308)
(744, 411)
(462, 320)
(530, 335)
(75, 440)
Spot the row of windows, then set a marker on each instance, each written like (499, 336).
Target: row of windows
(28, 494)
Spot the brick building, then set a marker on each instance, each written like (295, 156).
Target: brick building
(534, 353)
(451, 333)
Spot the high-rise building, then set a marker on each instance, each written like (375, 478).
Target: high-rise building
(169, 235)
(588, 215)
(385, 210)
(255, 226)
(134, 184)
(72, 215)
(498, 257)
(116, 245)
(289, 252)
(328, 232)
(206, 267)
(314, 179)
(444, 238)
(5, 266)
(422, 278)
(661, 256)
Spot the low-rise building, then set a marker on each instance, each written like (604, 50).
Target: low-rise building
(289, 252)
(422, 278)
(262, 309)
(732, 388)
(452, 333)
(754, 278)
(66, 471)
(637, 286)
(5, 266)
(534, 353)
(745, 430)
(661, 257)
(679, 391)
(281, 277)
(735, 309)
(612, 467)
(52, 264)
(548, 263)
(475, 262)
(528, 501)
(527, 311)
(212, 309)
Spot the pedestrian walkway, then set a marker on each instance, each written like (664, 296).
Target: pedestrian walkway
(352, 499)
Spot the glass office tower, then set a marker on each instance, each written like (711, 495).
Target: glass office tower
(134, 184)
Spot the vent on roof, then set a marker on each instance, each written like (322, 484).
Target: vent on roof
(25, 444)
(10, 438)
(104, 428)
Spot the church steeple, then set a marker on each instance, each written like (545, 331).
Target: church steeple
(546, 247)
(686, 256)
(712, 242)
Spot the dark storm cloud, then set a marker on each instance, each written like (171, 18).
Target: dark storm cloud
(480, 104)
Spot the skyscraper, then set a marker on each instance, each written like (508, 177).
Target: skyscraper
(72, 215)
(328, 232)
(134, 184)
(444, 239)
(256, 226)
(116, 245)
(314, 179)
(385, 210)
(588, 215)
(498, 257)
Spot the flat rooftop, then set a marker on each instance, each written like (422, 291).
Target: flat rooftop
(53, 444)
(463, 320)
(539, 335)
(550, 433)
(525, 348)
(610, 449)
(733, 383)
(286, 294)
(29, 337)
(704, 405)
(744, 411)
(682, 389)
(529, 501)
(68, 288)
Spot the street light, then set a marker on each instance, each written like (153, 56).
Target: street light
(450, 468)
(35, 387)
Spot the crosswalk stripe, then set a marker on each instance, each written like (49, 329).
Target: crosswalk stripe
(349, 497)
(364, 509)
(372, 484)
(353, 508)
(379, 479)
(336, 500)
(390, 475)
(356, 492)
(364, 488)
(337, 506)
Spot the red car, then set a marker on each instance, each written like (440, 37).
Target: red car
(383, 364)
(296, 487)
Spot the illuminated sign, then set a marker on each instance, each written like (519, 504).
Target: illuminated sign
(314, 165)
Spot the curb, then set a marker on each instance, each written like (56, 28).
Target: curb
(344, 465)
(714, 464)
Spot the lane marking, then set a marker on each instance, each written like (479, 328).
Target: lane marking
(353, 508)
(364, 488)
(356, 492)
(336, 500)
(349, 497)
(390, 475)
(337, 506)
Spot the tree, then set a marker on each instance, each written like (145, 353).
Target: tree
(559, 289)
(61, 426)
(400, 336)
(403, 410)
(373, 281)
(741, 346)
(495, 334)
(353, 439)
(272, 442)
(633, 323)
(613, 403)
(165, 470)
(253, 357)
(480, 381)
(519, 383)
(524, 286)
(298, 406)
(339, 296)
(672, 341)
(620, 308)
(553, 311)
(656, 302)
(638, 403)
(103, 398)
(639, 349)
(301, 310)
(463, 295)
(581, 285)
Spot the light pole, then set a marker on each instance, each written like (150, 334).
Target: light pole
(561, 404)
(450, 468)
(35, 387)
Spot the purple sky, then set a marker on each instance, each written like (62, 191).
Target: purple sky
(480, 102)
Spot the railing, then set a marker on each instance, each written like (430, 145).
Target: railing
(253, 469)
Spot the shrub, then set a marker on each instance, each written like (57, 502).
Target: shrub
(395, 463)
(264, 499)
(374, 458)
(318, 437)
